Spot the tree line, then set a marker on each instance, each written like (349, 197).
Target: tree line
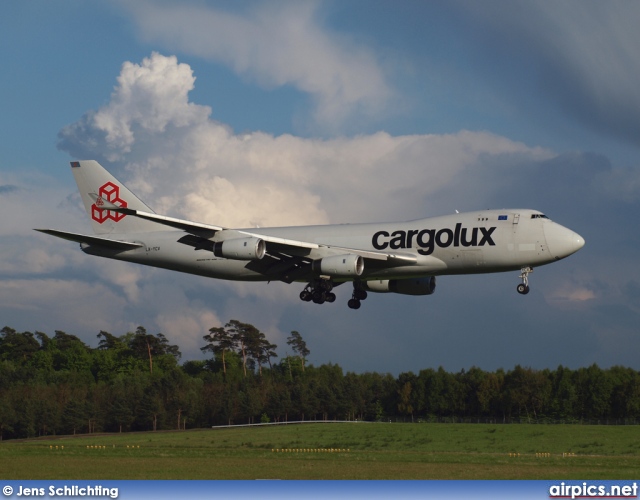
(59, 385)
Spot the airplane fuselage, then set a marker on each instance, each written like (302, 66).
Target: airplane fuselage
(465, 243)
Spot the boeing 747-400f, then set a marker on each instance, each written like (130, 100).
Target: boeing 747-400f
(396, 257)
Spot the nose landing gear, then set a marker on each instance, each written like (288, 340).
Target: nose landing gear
(523, 288)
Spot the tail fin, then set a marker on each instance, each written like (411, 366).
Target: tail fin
(92, 178)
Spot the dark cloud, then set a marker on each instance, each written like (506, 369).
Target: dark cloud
(8, 189)
(632, 289)
(578, 56)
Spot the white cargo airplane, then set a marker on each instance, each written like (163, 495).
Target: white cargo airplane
(397, 257)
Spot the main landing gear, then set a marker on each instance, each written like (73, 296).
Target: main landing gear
(358, 296)
(318, 291)
(523, 288)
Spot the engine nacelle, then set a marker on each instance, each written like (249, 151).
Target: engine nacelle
(341, 265)
(409, 286)
(240, 248)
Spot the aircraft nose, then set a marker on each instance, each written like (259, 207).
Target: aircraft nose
(562, 241)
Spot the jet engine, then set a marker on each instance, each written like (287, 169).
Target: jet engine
(240, 248)
(340, 265)
(409, 286)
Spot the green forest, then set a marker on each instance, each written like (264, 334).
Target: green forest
(53, 385)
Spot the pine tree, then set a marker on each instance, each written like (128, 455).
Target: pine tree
(299, 346)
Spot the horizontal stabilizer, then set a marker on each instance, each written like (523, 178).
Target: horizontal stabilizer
(93, 240)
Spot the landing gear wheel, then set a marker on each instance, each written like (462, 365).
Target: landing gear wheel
(360, 294)
(318, 291)
(318, 296)
(523, 288)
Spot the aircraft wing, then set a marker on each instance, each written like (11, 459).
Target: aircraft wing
(93, 240)
(207, 231)
(286, 259)
(203, 230)
(291, 260)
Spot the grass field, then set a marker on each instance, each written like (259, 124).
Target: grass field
(336, 451)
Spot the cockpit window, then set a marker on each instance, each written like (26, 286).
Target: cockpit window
(539, 216)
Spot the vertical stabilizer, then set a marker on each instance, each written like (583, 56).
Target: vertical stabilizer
(92, 178)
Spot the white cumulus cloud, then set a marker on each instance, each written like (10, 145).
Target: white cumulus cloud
(149, 97)
(183, 162)
(275, 44)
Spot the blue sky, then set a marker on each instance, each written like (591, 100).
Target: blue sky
(278, 113)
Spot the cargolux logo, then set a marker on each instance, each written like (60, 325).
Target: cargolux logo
(427, 239)
(111, 193)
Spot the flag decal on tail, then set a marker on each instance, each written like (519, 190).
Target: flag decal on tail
(111, 193)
